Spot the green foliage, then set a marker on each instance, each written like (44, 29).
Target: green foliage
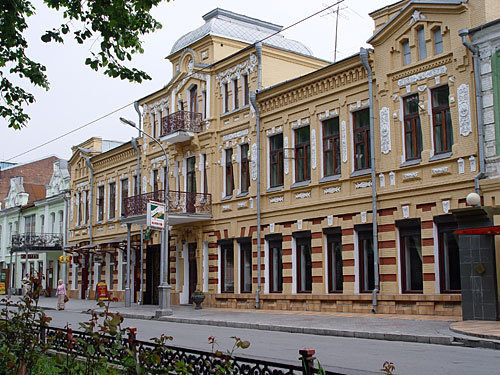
(114, 29)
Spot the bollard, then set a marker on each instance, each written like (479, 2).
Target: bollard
(307, 360)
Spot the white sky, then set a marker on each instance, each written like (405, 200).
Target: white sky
(79, 95)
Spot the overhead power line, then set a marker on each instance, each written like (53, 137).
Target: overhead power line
(188, 76)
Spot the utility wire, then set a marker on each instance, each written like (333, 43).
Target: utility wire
(188, 76)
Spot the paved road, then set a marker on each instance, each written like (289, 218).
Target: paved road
(354, 353)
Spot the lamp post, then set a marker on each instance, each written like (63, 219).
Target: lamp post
(164, 287)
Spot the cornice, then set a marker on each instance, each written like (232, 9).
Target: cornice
(403, 73)
(124, 157)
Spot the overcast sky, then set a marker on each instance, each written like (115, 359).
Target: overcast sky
(79, 95)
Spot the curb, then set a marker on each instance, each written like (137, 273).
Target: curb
(478, 335)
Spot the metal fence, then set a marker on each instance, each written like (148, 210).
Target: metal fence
(197, 361)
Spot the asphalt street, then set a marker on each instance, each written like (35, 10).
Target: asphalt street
(338, 352)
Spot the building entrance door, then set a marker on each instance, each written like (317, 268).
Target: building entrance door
(191, 185)
(152, 274)
(85, 276)
(193, 269)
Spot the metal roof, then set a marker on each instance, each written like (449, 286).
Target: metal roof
(226, 24)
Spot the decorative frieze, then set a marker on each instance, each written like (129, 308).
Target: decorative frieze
(234, 135)
(410, 176)
(242, 204)
(362, 184)
(331, 190)
(330, 220)
(446, 206)
(464, 117)
(392, 178)
(440, 171)
(303, 195)
(422, 75)
(406, 211)
(381, 177)
(472, 163)
(299, 123)
(461, 166)
(358, 105)
(285, 145)
(385, 131)
(328, 114)
(226, 207)
(274, 130)
(363, 217)
(237, 71)
(299, 224)
(271, 228)
(276, 199)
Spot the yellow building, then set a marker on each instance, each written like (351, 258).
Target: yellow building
(287, 179)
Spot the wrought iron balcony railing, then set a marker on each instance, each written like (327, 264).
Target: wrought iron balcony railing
(37, 241)
(181, 121)
(180, 202)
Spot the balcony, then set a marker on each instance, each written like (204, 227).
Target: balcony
(37, 242)
(180, 126)
(183, 207)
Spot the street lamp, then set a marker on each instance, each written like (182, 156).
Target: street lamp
(164, 287)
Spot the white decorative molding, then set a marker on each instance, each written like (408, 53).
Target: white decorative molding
(253, 162)
(461, 166)
(242, 204)
(385, 131)
(236, 72)
(299, 224)
(226, 207)
(158, 159)
(472, 163)
(327, 114)
(276, 199)
(417, 16)
(439, 171)
(82, 184)
(446, 206)
(274, 130)
(392, 178)
(422, 75)
(422, 88)
(330, 220)
(271, 227)
(358, 105)
(410, 175)
(285, 144)
(437, 80)
(395, 97)
(204, 55)
(331, 190)
(343, 136)
(464, 119)
(406, 211)
(381, 177)
(303, 195)
(362, 184)
(363, 217)
(234, 135)
(313, 148)
(299, 123)
(451, 78)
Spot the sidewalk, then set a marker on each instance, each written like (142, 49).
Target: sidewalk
(409, 328)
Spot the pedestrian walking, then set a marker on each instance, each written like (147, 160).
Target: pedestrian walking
(61, 295)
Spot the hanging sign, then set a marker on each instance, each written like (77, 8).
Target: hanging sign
(64, 259)
(156, 215)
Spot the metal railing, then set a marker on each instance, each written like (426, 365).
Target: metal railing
(197, 361)
(37, 241)
(181, 121)
(179, 202)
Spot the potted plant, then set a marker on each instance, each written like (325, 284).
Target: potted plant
(198, 297)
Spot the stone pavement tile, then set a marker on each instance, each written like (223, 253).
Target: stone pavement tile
(483, 329)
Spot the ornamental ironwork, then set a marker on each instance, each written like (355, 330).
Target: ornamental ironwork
(37, 241)
(180, 202)
(181, 121)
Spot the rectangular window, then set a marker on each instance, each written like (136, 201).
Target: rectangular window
(361, 139)
(227, 271)
(245, 89)
(406, 52)
(229, 172)
(87, 206)
(422, 47)
(335, 271)
(276, 160)
(100, 203)
(29, 224)
(226, 97)
(246, 267)
(331, 147)
(156, 194)
(236, 99)
(413, 133)
(441, 120)
(112, 200)
(449, 261)
(153, 123)
(304, 265)
(42, 224)
(204, 99)
(136, 186)
(366, 261)
(193, 99)
(302, 154)
(245, 173)
(205, 177)
(438, 41)
(275, 266)
(124, 194)
(79, 216)
(411, 259)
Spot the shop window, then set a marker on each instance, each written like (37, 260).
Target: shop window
(302, 154)
(422, 47)
(366, 260)
(276, 160)
(449, 261)
(405, 46)
(246, 266)
(438, 41)
(331, 147)
(244, 169)
(275, 266)
(334, 255)
(411, 256)
(441, 120)
(413, 132)
(361, 139)
(304, 264)
(227, 270)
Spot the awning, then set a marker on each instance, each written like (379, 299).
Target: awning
(494, 230)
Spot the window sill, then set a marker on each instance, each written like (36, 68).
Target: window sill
(241, 195)
(361, 172)
(274, 188)
(233, 111)
(442, 156)
(411, 162)
(227, 197)
(300, 184)
(335, 177)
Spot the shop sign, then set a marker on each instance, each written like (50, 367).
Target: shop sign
(156, 215)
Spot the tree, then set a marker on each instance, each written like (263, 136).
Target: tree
(115, 28)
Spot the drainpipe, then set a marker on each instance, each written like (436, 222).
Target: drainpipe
(91, 194)
(137, 192)
(253, 100)
(479, 105)
(363, 54)
(66, 198)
